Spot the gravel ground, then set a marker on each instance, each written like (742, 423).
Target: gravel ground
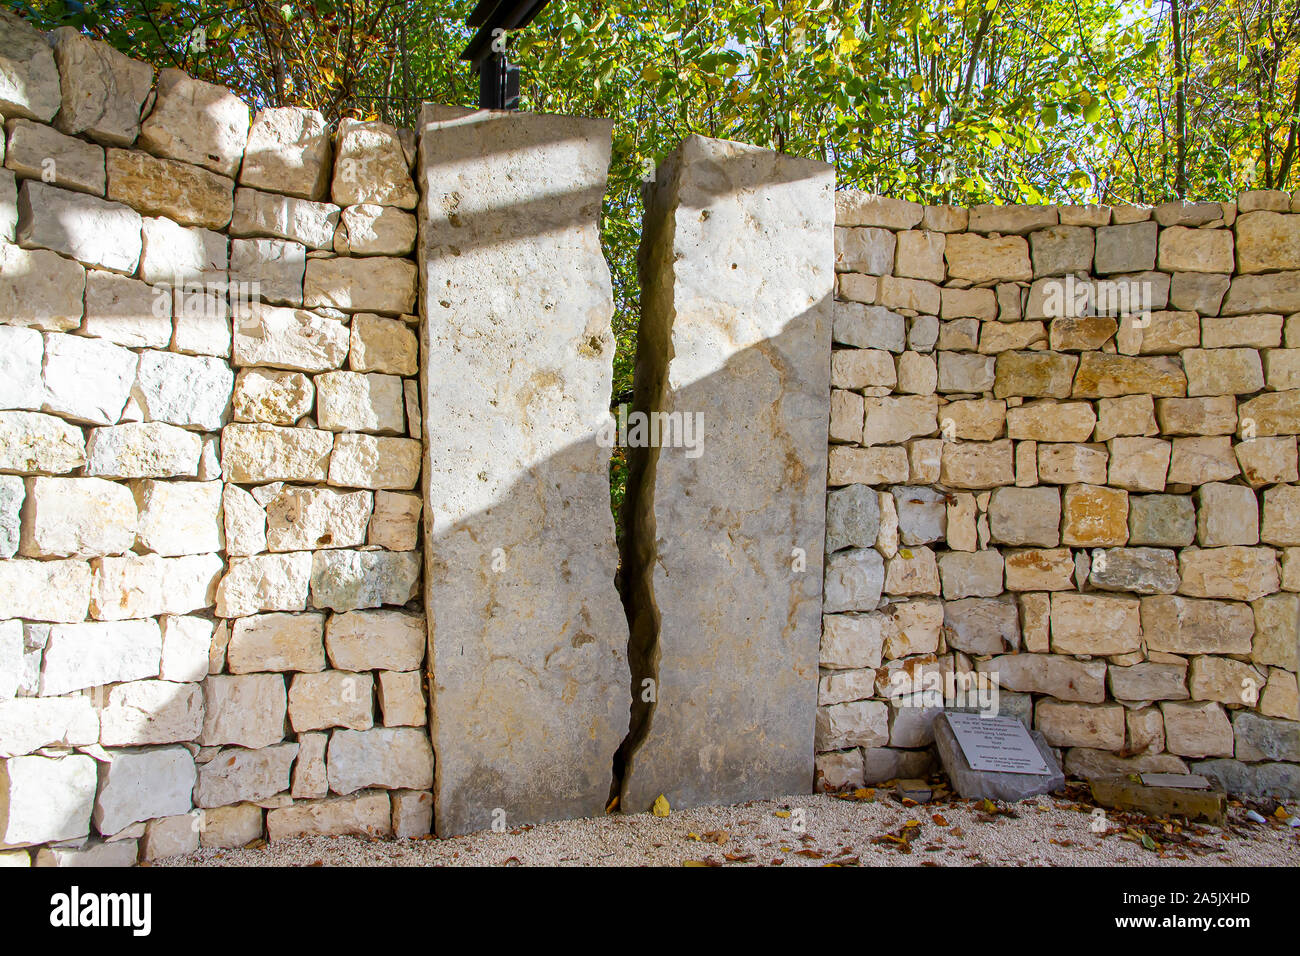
(875, 829)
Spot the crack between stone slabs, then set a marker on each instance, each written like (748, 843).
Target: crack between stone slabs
(638, 552)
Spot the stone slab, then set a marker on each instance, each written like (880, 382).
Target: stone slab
(529, 647)
(724, 563)
(991, 785)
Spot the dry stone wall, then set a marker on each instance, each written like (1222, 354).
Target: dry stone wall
(210, 619)
(1063, 458)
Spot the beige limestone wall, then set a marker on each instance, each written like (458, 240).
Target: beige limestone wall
(1063, 455)
(210, 623)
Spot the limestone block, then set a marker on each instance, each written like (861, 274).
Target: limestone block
(1238, 573)
(246, 711)
(142, 450)
(1274, 413)
(184, 390)
(230, 826)
(856, 208)
(38, 152)
(1051, 421)
(45, 798)
(375, 640)
(1267, 241)
(151, 712)
(372, 230)
(28, 724)
(288, 151)
(367, 815)
(44, 590)
(395, 522)
(288, 338)
(88, 655)
(22, 352)
(183, 193)
(29, 79)
(850, 368)
(364, 284)
(310, 779)
(894, 420)
(375, 462)
(1061, 677)
(1139, 570)
(268, 582)
(1226, 514)
(868, 466)
(869, 326)
(860, 723)
(318, 701)
(127, 311)
(391, 758)
(102, 89)
(1267, 461)
(981, 625)
(1129, 247)
(1058, 250)
(1183, 625)
(1095, 624)
(1080, 725)
(93, 231)
(300, 519)
(273, 397)
(86, 380)
(77, 518)
(353, 401)
(1197, 729)
(1094, 516)
(239, 776)
(277, 642)
(1064, 464)
(370, 166)
(973, 419)
(196, 122)
(1025, 516)
(1034, 374)
(976, 574)
(276, 266)
(186, 642)
(173, 254)
(401, 698)
(912, 571)
(1139, 464)
(257, 453)
(1011, 219)
(12, 492)
(40, 289)
(977, 464)
(1246, 331)
(169, 836)
(920, 255)
(1281, 525)
(1195, 461)
(1102, 375)
(912, 295)
(1223, 371)
(1050, 569)
(380, 344)
(865, 250)
(347, 580)
(258, 213)
(1195, 250)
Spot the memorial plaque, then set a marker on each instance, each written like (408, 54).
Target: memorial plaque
(998, 744)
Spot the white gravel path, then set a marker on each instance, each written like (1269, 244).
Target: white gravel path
(1047, 831)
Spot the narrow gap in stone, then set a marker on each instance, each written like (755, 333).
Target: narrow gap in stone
(637, 547)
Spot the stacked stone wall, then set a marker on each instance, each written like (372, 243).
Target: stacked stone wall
(1063, 456)
(210, 620)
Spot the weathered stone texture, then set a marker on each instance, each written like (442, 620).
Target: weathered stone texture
(518, 683)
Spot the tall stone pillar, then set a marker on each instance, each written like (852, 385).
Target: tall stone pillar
(527, 636)
(723, 561)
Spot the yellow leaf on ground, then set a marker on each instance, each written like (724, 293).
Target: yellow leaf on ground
(660, 808)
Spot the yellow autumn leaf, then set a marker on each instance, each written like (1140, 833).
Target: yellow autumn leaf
(781, 813)
(660, 808)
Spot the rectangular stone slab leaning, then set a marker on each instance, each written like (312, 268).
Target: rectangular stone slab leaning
(527, 636)
(723, 553)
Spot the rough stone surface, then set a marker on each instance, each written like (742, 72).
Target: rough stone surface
(375, 640)
(367, 815)
(196, 122)
(271, 582)
(371, 461)
(254, 454)
(305, 519)
(40, 289)
(140, 785)
(151, 712)
(91, 230)
(277, 642)
(393, 758)
(276, 265)
(142, 450)
(258, 213)
(235, 775)
(370, 166)
(44, 590)
(288, 152)
(183, 193)
(46, 798)
(361, 284)
(103, 90)
(89, 655)
(372, 230)
(346, 580)
(245, 710)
